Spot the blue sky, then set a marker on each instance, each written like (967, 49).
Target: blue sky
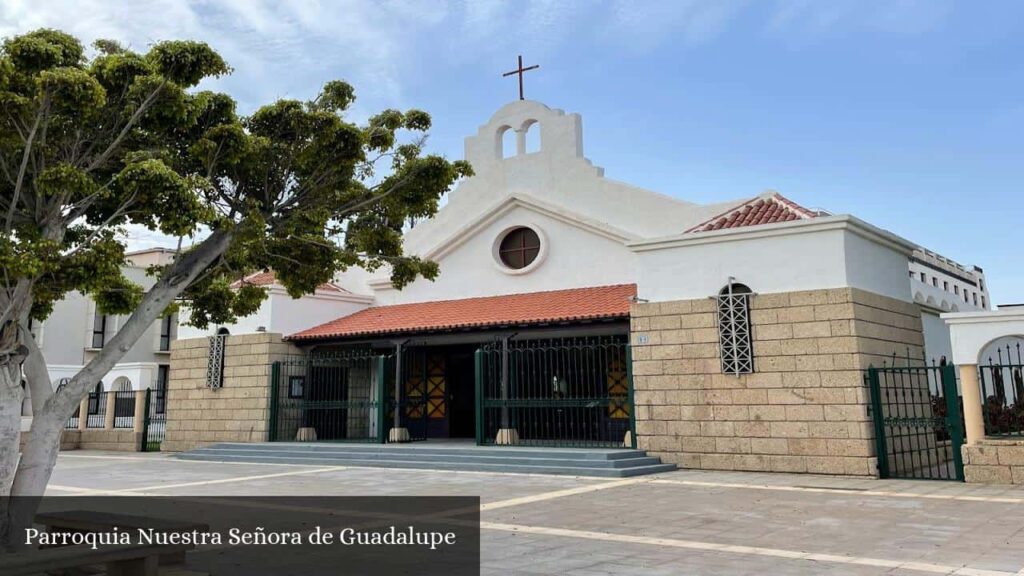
(908, 114)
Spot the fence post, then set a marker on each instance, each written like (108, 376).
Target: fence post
(275, 373)
(108, 418)
(630, 401)
(956, 435)
(382, 434)
(83, 413)
(144, 437)
(141, 397)
(479, 384)
(881, 453)
(974, 421)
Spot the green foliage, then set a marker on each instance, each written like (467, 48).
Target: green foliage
(43, 49)
(185, 62)
(123, 138)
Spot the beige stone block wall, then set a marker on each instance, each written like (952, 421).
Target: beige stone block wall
(236, 412)
(115, 439)
(68, 440)
(804, 409)
(994, 461)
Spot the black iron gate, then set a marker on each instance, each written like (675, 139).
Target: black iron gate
(154, 424)
(918, 419)
(337, 395)
(556, 392)
(350, 395)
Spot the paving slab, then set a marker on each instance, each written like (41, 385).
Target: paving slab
(671, 523)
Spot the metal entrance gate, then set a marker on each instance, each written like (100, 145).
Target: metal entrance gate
(918, 418)
(349, 395)
(555, 392)
(552, 392)
(154, 424)
(338, 395)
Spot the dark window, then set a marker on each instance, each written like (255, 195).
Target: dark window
(94, 399)
(923, 278)
(296, 386)
(956, 290)
(974, 295)
(99, 329)
(935, 281)
(982, 301)
(162, 373)
(911, 273)
(945, 286)
(519, 248)
(165, 332)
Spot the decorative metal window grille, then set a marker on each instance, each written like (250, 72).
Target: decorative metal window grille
(215, 364)
(734, 341)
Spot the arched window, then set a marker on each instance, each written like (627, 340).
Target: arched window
(532, 137)
(734, 340)
(508, 142)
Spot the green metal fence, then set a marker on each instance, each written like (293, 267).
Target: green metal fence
(154, 426)
(551, 392)
(340, 395)
(918, 420)
(555, 392)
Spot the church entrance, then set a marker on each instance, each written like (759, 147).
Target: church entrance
(438, 397)
(505, 390)
(463, 394)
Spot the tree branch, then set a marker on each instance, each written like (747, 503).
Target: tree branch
(24, 167)
(178, 277)
(127, 128)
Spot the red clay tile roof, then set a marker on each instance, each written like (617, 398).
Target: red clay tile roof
(511, 310)
(767, 208)
(268, 279)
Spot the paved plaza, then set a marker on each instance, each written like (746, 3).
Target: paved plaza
(684, 522)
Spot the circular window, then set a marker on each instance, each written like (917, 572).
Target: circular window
(519, 248)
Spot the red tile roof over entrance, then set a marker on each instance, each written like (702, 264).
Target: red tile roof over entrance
(591, 303)
(768, 208)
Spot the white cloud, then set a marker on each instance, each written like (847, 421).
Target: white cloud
(278, 49)
(806, 20)
(642, 25)
(289, 48)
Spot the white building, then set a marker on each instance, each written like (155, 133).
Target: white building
(282, 313)
(741, 328)
(940, 285)
(589, 230)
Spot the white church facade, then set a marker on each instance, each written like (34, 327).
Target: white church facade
(575, 310)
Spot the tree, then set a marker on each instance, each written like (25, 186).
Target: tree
(91, 145)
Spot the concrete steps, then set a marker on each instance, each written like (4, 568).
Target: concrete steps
(608, 463)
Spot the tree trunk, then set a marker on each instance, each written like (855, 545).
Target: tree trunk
(11, 397)
(32, 473)
(34, 470)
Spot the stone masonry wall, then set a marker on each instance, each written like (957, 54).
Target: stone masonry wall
(804, 409)
(994, 461)
(236, 412)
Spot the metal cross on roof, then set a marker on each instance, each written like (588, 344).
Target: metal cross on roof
(520, 71)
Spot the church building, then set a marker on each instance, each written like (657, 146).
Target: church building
(573, 310)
